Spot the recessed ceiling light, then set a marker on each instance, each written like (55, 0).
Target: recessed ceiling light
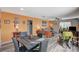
(21, 8)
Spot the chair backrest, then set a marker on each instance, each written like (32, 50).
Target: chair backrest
(23, 34)
(16, 45)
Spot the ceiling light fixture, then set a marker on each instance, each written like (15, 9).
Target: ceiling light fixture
(21, 8)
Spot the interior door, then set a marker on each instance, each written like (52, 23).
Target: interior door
(30, 26)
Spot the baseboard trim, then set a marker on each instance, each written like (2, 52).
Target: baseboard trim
(3, 43)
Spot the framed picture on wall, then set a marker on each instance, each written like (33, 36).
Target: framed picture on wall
(6, 21)
(16, 21)
(44, 23)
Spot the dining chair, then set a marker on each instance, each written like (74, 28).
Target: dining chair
(23, 35)
(16, 46)
(44, 45)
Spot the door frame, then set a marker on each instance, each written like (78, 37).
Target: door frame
(28, 21)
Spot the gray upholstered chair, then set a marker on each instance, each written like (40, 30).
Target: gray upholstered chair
(24, 35)
(16, 44)
(17, 47)
(44, 45)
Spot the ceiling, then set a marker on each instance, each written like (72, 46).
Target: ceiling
(44, 12)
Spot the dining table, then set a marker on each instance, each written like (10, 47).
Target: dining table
(33, 42)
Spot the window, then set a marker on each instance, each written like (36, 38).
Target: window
(65, 24)
(44, 23)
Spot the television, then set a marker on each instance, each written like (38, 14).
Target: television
(72, 28)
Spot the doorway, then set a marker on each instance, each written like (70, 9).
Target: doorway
(29, 26)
